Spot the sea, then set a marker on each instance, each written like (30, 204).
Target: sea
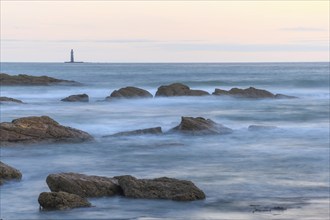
(281, 173)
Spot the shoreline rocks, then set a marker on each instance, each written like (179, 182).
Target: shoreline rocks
(33, 130)
(4, 99)
(76, 98)
(61, 201)
(200, 126)
(129, 92)
(27, 80)
(8, 173)
(155, 131)
(178, 89)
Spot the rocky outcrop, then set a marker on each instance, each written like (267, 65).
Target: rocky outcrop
(249, 93)
(261, 127)
(61, 200)
(281, 96)
(8, 173)
(159, 188)
(128, 93)
(4, 99)
(178, 89)
(155, 130)
(199, 126)
(42, 129)
(26, 80)
(83, 185)
(76, 98)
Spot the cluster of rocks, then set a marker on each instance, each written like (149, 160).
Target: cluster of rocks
(8, 173)
(70, 190)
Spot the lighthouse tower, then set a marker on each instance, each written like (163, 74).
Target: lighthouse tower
(72, 57)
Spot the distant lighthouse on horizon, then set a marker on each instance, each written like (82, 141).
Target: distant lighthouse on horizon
(72, 58)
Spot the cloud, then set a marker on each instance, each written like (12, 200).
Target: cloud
(303, 29)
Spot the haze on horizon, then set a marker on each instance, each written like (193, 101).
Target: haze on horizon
(156, 31)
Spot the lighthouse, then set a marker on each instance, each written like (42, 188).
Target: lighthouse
(72, 58)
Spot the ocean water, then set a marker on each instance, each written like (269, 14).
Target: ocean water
(239, 172)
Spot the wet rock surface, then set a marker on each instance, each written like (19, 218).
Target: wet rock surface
(76, 98)
(155, 130)
(4, 99)
(32, 130)
(83, 185)
(250, 92)
(8, 173)
(129, 92)
(61, 200)
(159, 188)
(178, 89)
(26, 80)
(200, 126)
(261, 127)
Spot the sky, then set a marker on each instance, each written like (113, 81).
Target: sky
(165, 31)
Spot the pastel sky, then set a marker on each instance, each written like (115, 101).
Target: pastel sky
(165, 31)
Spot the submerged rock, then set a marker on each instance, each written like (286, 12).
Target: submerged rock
(29, 130)
(76, 98)
(61, 200)
(8, 173)
(159, 188)
(8, 99)
(281, 96)
(178, 89)
(261, 127)
(249, 93)
(83, 185)
(129, 92)
(199, 125)
(26, 80)
(155, 130)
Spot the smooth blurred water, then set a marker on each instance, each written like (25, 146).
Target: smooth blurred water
(288, 166)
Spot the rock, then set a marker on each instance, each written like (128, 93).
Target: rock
(178, 89)
(245, 93)
(159, 188)
(83, 185)
(156, 130)
(76, 98)
(61, 200)
(261, 127)
(281, 96)
(8, 173)
(26, 80)
(129, 92)
(8, 99)
(42, 129)
(199, 125)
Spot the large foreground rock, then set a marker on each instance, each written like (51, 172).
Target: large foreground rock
(8, 173)
(26, 80)
(199, 126)
(129, 92)
(76, 98)
(83, 185)
(4, 99)
(42, 129)
(155, 130)
(61, 200)
(160, 188)
(249, 93)
(178, 89)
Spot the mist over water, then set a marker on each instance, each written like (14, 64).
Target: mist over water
(287, 167)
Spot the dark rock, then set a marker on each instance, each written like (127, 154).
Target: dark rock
(156, 130)
(199, 125)
(83, 185)
(8, 99)
(281, 96)
(258, 208)
(42, 129)
(160, 188)
(61, 200)
(26, 80)
(76, 98)
(129, 92)
(178, 89)
(8, 173)
(245, 93)
(261, 127)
